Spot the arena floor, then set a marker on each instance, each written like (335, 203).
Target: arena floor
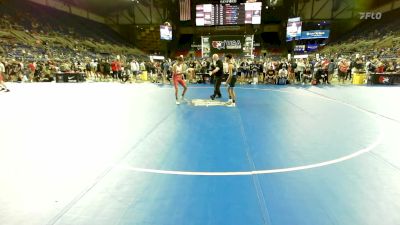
(109, 153)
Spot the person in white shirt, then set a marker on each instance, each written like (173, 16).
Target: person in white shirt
(265, 70)
(299, 70)
(3, 86)
(134, 66)
(93, 67)
(282, 74)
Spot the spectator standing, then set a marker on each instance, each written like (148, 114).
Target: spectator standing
(31, 70)
(3, 86)
(299, 69)
(324, 72)
(343, 67)
(307, 76)
(331, 70)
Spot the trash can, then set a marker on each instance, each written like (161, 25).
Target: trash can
(359, 78)
(144, 76)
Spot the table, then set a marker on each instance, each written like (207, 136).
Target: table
(69, 77)
(384, 78)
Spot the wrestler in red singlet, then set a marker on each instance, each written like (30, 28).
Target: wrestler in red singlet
(178, 70)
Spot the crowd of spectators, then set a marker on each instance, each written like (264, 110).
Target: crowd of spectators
(34, 47)
(266, 71)
(313, 70)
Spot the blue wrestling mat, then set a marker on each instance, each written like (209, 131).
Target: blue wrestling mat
(296, 155)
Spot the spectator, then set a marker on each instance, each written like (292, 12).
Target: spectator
(390, 68)
(282, 75)
(331, 70)
(307, 76)
(324, 70)
(270, 76)
(3, 86)
(300, 67)
(343, 67)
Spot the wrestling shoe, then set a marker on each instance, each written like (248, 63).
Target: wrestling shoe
(177, 102)
(183, 99)
(231, 104)
(212, 97)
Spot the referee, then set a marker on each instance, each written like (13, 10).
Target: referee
(217, 70)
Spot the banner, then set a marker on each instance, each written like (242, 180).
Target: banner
(299, 48)
(227, 44)
(184, 9)
(295, 19)
(315, 34)
(312, 47)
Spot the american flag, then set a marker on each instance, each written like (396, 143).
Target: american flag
(184, 6)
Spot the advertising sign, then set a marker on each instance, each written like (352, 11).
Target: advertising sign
(227, 44)
(315, 34)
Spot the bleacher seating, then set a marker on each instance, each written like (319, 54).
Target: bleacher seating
(48, 31)
(370, 37)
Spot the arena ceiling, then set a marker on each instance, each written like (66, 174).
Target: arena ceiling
(105, 7)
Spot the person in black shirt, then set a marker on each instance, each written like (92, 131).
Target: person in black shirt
(254, 71)
(245, 70)
(270, 76)
(217, 71)
(307, 75)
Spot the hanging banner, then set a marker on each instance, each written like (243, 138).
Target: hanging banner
(312, 47)
(299, 48)
(205, 46)
(315, 34)
(227, 44)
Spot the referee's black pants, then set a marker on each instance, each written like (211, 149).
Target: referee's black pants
(217, 86)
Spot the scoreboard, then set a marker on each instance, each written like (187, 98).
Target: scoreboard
(228, 14)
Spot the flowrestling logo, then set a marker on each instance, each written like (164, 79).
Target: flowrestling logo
(383, 80)
(218, 45)
(227, 44)
(370, 15)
